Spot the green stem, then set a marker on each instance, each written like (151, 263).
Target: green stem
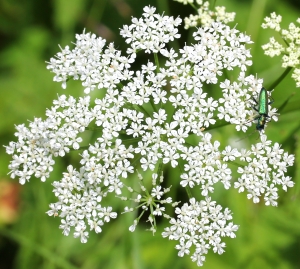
(153, 105)
(283, 75)
(139, 108)
(285, 102)
(160, 169)
(193, 6)
(143, 110)
(163, 6)
(213, 4)
(156, 61)
(188, 190)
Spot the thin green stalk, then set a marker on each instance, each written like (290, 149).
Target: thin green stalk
(283, 75)
(257, 11)
(132, 140)
(193, 6)
(156, 61)
(135, 239)
(163, 6)
(160, 168)
(285, 102)
(135, 253)
(143, 110)
(188, 190)
(213, 4)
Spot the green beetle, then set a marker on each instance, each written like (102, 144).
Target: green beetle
(262, 109)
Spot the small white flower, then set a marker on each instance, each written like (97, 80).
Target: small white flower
(157, 192)
(107, 214)
(80, 232)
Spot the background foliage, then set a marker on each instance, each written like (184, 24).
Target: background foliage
(29, 33)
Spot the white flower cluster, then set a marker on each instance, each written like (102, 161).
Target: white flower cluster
(266, 169)
(272, 22)
(144, 120)
(79, 204)
(200, 226)
(95, 66)
(289, 48)
(37, 145)
(206, 16)
(150, 33)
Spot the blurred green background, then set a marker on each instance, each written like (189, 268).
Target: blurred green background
(30, 32)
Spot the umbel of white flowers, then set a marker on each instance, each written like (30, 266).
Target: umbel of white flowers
(145, 120)
(290, 51)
